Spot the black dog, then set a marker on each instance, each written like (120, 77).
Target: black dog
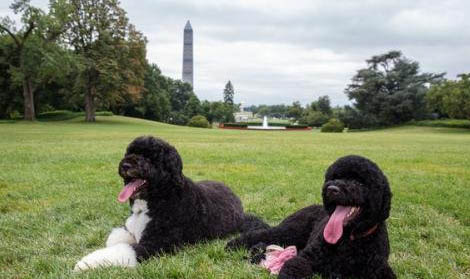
(168, 209)
(346, 237)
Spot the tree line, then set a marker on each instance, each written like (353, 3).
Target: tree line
(391, 90)
(85, 55)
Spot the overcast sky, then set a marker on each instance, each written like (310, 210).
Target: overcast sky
(279, 51)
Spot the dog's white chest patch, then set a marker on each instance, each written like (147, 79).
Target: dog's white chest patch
(137, 222)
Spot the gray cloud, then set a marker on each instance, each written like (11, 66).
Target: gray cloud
(278, 51)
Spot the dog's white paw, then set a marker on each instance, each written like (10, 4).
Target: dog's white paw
(119, 235)
(118, 255)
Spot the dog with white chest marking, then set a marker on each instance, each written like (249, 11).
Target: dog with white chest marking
(168, 209)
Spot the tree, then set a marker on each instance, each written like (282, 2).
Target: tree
(110, 50)
(217, 111)
(192, 107)
(295, 111)
(180, 93)
(314, 118)
(353, 119)
(155, 101)
(322, 105)
(391, 89)
(34, 56)
(229, 93)
(451, 98)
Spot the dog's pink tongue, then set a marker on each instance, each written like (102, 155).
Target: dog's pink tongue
(334, 228)
(129, 189)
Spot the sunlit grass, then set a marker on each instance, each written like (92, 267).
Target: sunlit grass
(59, 182)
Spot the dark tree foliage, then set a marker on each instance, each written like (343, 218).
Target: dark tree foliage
(33, 56)
(155, 101)
(10, 102)
(354, 119)
(391, 89)
(184, 103)
(314, 118)
(318, 113)
(451, 98)
(229, 93)
(322, 105)
(217, 111)
(164, 99)
(295, 110)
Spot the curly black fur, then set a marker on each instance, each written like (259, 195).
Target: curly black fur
(363, 249)
(181, 211)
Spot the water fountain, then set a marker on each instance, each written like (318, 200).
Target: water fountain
(265, 126)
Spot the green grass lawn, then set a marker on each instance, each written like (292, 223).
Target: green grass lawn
(59, 184)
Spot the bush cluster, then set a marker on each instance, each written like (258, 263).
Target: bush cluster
(199, 121)
(333, 126)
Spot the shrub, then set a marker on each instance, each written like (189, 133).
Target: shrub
(62, 115)
(46, 108)
(104, 113)
(15, 115)
(333, 126)
(57, 115)
(198, 121)
(448, 123)
(298, 126)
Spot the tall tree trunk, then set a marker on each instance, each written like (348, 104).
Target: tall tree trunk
(90, 108)
(28, 94)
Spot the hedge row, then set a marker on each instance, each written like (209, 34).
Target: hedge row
(246, 124)
(448, 123)
(60, 115)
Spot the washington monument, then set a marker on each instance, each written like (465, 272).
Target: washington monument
(188, 54)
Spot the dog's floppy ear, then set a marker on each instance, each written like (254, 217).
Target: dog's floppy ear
(381, 195)
(172, 163)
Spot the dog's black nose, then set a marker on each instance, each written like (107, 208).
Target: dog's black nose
(333, 189)
(126, 166)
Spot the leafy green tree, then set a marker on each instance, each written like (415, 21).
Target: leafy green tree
(10, 102)
(217, 111)
(229, 93)
(193, 106)
(391, 89)
(451, 98)
(110, 50)
(314, 118)
(34, 58)
(263, 110)
(295, 111)
(322, 105)
(354, 119)
(180, 92)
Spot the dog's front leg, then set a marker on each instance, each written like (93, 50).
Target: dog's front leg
(280, 235)
(120, 235)
(296, 268)
(121, 254)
